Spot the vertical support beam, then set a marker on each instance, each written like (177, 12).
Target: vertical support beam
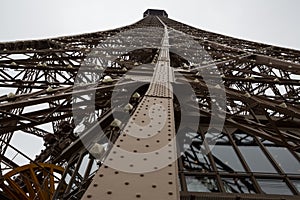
(142, 164)
(75, 172)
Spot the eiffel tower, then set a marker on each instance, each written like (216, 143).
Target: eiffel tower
(153, 110)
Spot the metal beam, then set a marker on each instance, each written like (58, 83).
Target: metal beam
(149, 137)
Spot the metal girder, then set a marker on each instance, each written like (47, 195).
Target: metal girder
(148, 136)
(262, 86)
(31, 181)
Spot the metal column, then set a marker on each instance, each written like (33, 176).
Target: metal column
(146, 149)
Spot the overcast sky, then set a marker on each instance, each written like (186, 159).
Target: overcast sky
(269, 21)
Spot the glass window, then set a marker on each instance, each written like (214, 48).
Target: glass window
(297, 184)
(236, 185)
(214, 136)
(242, 138)
(201, 184)
(285, 159)
(196, 159)
(256, 159)
(223, 153)
(194, 155)
(274, 186)
(226, 158)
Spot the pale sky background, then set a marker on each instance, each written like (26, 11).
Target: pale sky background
(269, 21)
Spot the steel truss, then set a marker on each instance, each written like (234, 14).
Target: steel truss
(257, 150)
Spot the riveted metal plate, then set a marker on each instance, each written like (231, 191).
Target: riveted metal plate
(142, 164)
(145, 146)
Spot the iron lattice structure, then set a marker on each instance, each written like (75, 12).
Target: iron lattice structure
(257, 152)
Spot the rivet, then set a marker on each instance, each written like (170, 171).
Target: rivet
(138, 195)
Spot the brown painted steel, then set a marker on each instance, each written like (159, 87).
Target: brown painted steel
(149, 134)
(262, 104)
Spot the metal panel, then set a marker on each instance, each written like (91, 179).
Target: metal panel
(145, 152)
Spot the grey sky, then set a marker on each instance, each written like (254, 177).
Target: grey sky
(268, 21)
